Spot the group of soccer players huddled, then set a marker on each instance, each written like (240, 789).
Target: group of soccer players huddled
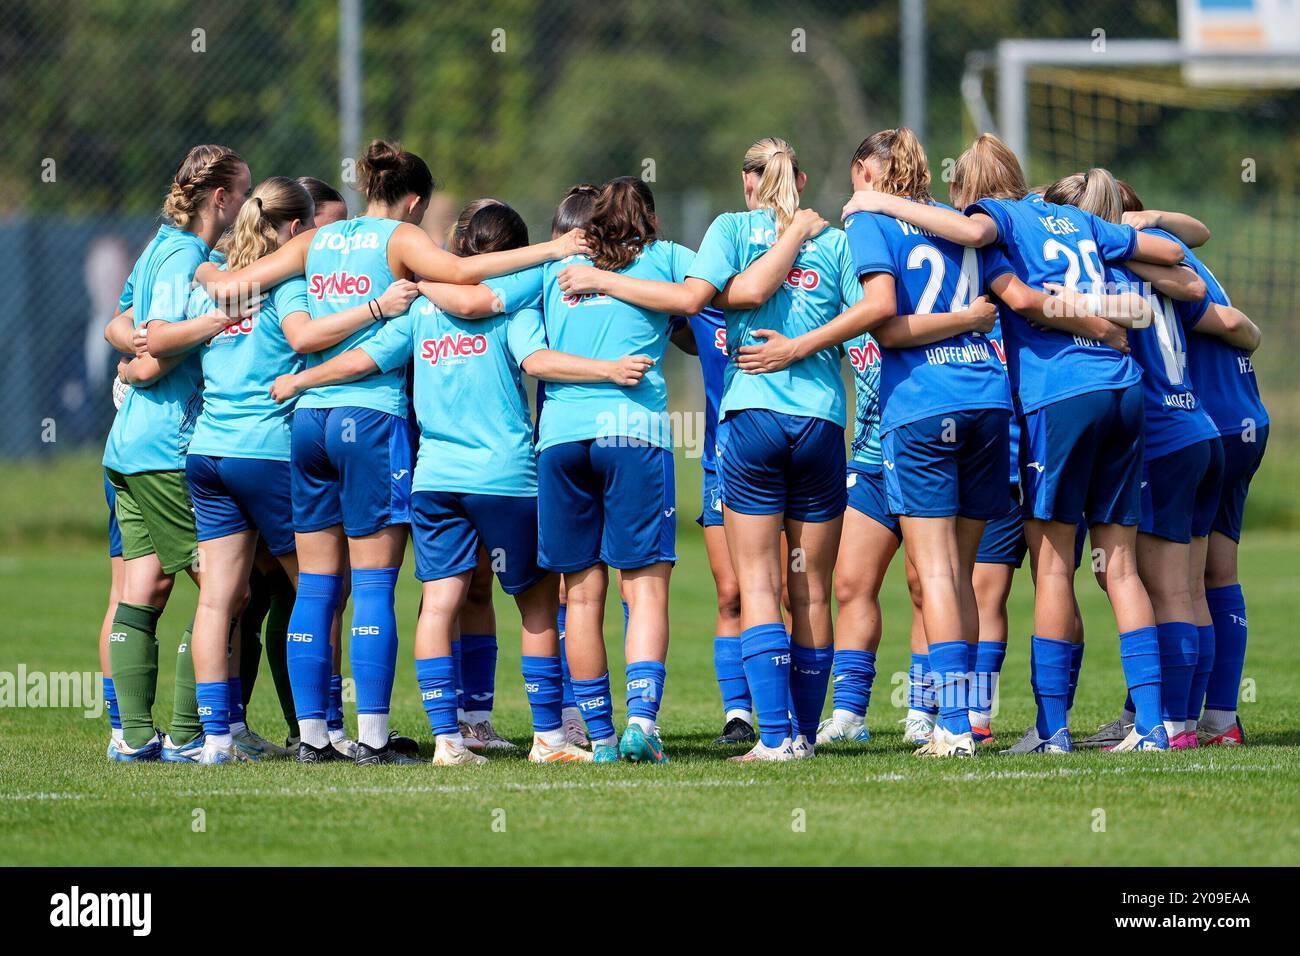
(1033, 369)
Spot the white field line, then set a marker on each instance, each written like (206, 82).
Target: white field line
(543, 786)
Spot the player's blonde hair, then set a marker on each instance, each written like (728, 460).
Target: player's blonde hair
(904, 169)
(1095, 191)
(274, 202)
(987, 170)
(777, 166)
(203, 169)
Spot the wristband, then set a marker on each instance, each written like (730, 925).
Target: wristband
(376, 312)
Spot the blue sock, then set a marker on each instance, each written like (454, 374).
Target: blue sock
(214, 707)
(544, 685)
(460, 676)
(1177, 666)
(307, 652)
(627, 616)
(437, 679)
(1228, 611)
(110, 701)
(478, 670)
(1076, 666)
(854, 673)
(810, 675)
(566, 679)
(334, 712)
(645, 689)
(729, 668)
(948, 663)
(1139, 654)
(989, 656)
(921, 685)
(596, 702)
(374, 637)
(1204, 667)
(1050, 664)
(765, 650)
(235, 688)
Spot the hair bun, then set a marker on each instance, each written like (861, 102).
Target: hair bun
(381, 155)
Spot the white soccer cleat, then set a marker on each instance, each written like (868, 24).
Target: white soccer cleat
(917, 727)
(945, 744)
(801, 748)
(448, 754)
(842, 729)
(761, 751)
(213, 754)
(542, 752)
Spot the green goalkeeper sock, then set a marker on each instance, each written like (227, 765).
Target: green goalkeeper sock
(185, 724)
(133, 652)
(250, 633)
(277, 632)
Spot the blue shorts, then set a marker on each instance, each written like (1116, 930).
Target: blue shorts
(114, 534)
(773, 463)
(1003, 541)
(1180, 491)
(231, 495)
(1241, 459)
(1081, 458)
(610, 501)
(351, 466)
(711, 503)
(950, 464)
(448, 527)
(866, 488)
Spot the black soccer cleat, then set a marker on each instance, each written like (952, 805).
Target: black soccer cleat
(403, 745)
(306, 753)
(373, 756)
(738, 731)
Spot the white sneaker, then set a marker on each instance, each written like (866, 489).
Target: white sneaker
(801, 748)
(763, 752)
(542, 752)
(917, 727)
(255, 745)
(575, 732)
(448, 754)
(945, 744)
(212, 754)
(483, 736)
(842, 729)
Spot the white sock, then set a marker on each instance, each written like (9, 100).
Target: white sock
(645, 723)
(746, 715)
(117, 735)
(920, 715)
(606, 742)
(1220, 719)
(572, 713)
(476, 717)
(372, 730)
(337, 735)
(218, 741)
(847, 718)
(1173, 728)
(312, 733)
(456, 740)
(980, 719)
(552, 738)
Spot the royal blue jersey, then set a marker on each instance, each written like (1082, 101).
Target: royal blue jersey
(1223, 374)
(995, 339)
(152, 429)
(347, 265)
(820, 286)
(1174, 416)
(864, 359)
(1049, 243)
(709, 327)
(931, 275)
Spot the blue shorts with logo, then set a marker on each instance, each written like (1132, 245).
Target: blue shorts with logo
(1003, 541)
(1181, 491)
(114, 534)
(1241, 459)
(351, 466)
(231, 495)
(866, 488)
(774, 463)
(610, 500)
(1081, 458)
(950, 464)
(448, 527)
(711, 503)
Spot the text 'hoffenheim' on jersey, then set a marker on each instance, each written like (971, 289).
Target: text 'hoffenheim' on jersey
(476, 432)
(1045, 243)
(240, 419)
(602, 327)
(347, 265)
(820, 285)
(152, 429)
(709, 328)
(931, 275)
(1224, 375)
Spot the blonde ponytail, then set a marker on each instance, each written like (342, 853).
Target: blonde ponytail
(1095, 191)
(900, 160)
(274, 202)
(777, 167)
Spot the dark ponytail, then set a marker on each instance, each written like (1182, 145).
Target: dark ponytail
(574, 210)
(386, 173)
(623, 222)
(487, 225)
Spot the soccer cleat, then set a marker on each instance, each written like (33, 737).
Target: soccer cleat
(374, 756)
(449, 754)
(834, 731)
(257, 746)
(1234, 736)
(1108, 735)
(1186, 740)
(403, 745)
(737, 731)
(119, 752)
(604, 753)
(1058, 743)
(575, 732)
(801, 748)
(981, 735)
(291, 746)
(1156, 739)
(345, 747)
(640, 747)
(566, 752)
(483, 736)
(306, 753)
(917, 727)
(1027, 744)
(945, 744)
(181, 753)
(213, 754)
(762, 751)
